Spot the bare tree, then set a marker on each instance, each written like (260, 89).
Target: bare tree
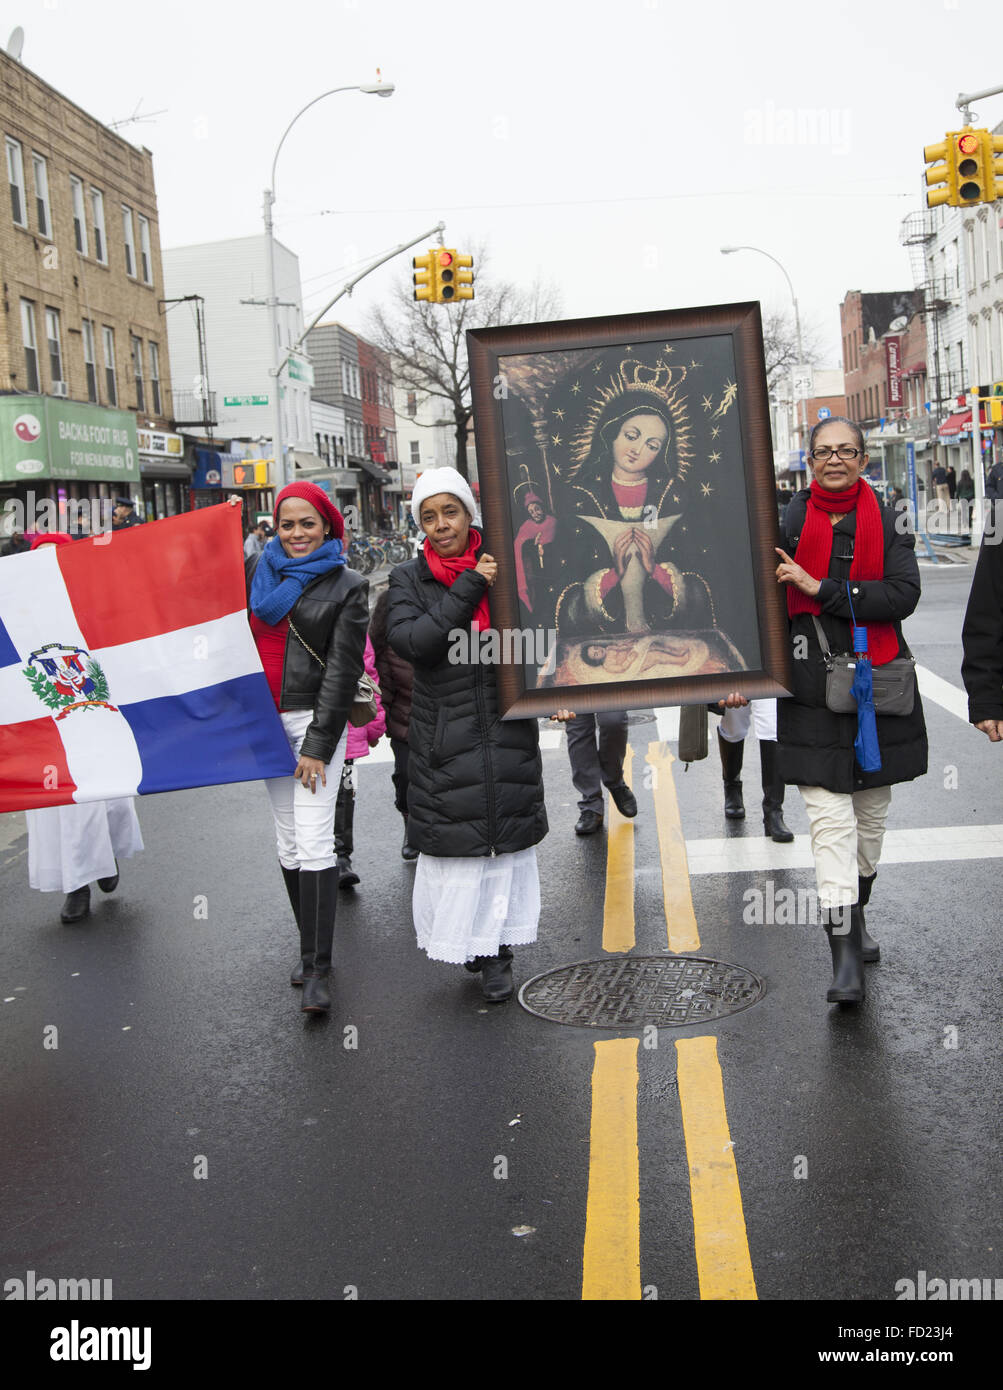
(428, 344)
(780, 344)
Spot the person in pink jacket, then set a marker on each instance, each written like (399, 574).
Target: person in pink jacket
(360, 740)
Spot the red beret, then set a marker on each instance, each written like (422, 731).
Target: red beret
(318, 498)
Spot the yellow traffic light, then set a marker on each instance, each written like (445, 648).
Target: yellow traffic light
(969, 163)
(424, 277)
(464, 277)
(945, 172)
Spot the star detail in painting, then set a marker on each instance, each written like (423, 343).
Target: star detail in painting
(707, 403)
(668, 348)
(576, 388)
(559, 414)
(714, 458)
(694, 365)
(715, 430)
(555, 439)
(706, 489)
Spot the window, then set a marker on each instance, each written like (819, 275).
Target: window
(129, 239)
(137, 369)
(79, 215)
(155, 377)
(145, 252)
(42, 195)
(100, 239)
(89, 363)
(415, 453)
(111, 388)
(55, 348)
(412, 403)
(15, 176)
(30, 346)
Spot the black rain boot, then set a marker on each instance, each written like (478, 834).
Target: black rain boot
(870, 950)
(292, 882)
(344, 838)
(406, 851)
(773, 794)
(318, 905)
(77, 905)
(108, 885)
(496, 976)
(847, 966)
(732, 755)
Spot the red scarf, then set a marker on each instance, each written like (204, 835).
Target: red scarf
(447, 570)
(815, 550)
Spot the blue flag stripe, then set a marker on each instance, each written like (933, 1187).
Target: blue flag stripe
(9, 655)
(229, 732)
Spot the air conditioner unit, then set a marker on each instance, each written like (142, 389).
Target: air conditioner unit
(60, 388)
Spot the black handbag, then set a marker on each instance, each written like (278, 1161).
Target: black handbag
(894, 683)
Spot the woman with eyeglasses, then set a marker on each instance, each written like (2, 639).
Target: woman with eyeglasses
(840, 538)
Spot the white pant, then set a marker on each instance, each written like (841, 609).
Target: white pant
(847, 831)
(761, 714)
(71, 846)
(304, 820)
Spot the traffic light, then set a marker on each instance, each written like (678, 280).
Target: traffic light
(424, 277)
(445, 290)
(464, 277)
(971, 169)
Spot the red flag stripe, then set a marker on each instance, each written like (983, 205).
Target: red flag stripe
(165, 575)
(35, 772)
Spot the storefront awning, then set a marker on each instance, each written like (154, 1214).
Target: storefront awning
(375, 471)
(956, 425)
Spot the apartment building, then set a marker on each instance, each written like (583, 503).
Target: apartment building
(85, 384)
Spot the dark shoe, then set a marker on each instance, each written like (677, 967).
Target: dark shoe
(847, 966)
(318, 906)
(626, 801)
(496, 978)
(476, 965)
(870, 951)
(108, 885)
(77, 905)
(347, 877)
(291, 877)
(773, 794)
(588, 823)
(408, 853)
(732, 756)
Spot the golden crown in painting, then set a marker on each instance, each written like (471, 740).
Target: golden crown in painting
(661, 384)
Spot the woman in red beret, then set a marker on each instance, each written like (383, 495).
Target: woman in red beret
(309, 614)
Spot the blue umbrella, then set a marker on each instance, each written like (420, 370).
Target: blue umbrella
(866, 743)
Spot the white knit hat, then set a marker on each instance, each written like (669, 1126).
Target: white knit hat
(436, 480)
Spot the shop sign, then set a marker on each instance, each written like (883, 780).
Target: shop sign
(159, 444)
(42, 437)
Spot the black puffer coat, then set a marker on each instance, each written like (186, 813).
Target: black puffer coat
(475, 783)
(982, 637)
(815, 746)
(331, 616)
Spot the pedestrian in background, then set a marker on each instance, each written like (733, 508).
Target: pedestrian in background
(475, 797)
(308, 617)
(396, 681)
(256, 540)
(597, 746)
(982, 641)
(123, 514)
(842, 545)
(966, 494)
(731, 735)
(360, 740)
(17, 544)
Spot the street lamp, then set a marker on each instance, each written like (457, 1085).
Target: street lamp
(730, 250)
(379, 89)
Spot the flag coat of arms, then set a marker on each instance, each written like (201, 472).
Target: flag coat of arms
(127, 666)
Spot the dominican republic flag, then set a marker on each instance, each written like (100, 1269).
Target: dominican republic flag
(127, 666)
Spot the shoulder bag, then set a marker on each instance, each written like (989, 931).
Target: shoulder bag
(894, 683)
(363, 709)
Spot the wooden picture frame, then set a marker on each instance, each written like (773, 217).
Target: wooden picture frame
(627, 485)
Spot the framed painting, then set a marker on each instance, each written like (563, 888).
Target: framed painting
(628, 491)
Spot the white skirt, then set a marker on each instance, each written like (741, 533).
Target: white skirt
(70, 846)
(469, 907)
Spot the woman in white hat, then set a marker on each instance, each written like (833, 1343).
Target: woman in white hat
(475, 799)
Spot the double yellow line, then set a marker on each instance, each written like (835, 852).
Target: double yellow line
(612, 1256)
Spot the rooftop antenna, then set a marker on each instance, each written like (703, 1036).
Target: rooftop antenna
(15, 44)
(136, 117)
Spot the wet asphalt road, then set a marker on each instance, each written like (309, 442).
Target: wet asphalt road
(194, 1136)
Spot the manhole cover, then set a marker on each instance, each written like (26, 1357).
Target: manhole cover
(642, 717)
(632, 991)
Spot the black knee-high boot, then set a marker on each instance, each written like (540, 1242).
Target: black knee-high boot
(732, 755)
(318, 906)
(344, 834)
(773, 794)
(870, 950)
(292, 882)
(847, 966)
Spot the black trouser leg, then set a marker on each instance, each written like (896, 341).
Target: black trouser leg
(773, 794)
(870, 950)
(291, 878)
(732, 755)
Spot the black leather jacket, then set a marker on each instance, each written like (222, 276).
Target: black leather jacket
(332, 617)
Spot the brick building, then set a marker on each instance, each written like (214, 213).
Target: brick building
(83, 347)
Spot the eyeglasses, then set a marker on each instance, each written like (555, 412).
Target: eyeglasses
(844, 452)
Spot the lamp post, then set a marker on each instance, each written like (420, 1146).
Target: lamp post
(380, 89)
(730, 250)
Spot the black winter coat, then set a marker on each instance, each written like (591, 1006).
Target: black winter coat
(331, 616)
(475, 783)
(815, 746)
(982, 637)
(396, 674)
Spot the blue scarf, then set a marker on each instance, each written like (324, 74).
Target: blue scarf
(280, 579)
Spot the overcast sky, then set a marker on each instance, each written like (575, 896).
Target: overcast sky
(608, 146)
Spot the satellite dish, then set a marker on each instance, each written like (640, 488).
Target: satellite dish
(897, 325)
(15, 44)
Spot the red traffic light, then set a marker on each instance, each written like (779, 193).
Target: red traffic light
(445, 258)
(968, 144)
